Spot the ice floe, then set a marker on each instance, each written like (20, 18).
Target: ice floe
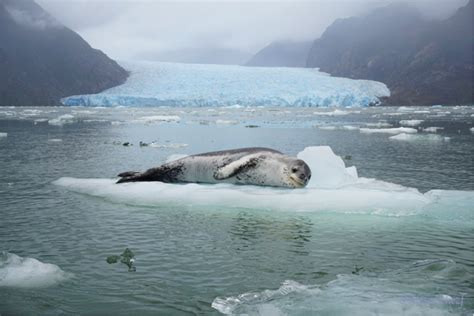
(397, 130)
(3, 135)
(412, 137)
(16, 271)
(62, 120)
(432, 129)
(157, 118)
(333, 187)
(411, 122)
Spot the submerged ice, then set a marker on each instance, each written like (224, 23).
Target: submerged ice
(171, 84)
(333, 187)
(411, 290)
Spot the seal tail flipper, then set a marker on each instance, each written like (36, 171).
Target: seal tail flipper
(128, 174)
(154, 174)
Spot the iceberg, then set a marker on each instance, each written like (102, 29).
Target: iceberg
(174, 84)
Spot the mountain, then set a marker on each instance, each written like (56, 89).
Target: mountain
(422, 62)
(282, 54)
(195, 55)
(42, 61)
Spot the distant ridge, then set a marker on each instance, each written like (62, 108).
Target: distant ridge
(42, 61)
(422, 62)
(282, 54)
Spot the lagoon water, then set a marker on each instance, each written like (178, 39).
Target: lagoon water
(192, 258)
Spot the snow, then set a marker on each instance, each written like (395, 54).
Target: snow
(411, 122)
(16, 271)
(173, 84)
(333, 187)
(398, 130)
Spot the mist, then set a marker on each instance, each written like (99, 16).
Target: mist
(163, 30)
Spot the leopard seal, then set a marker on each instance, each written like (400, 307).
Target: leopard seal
(254, 166)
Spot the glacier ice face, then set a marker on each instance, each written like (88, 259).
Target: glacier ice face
(173, 84)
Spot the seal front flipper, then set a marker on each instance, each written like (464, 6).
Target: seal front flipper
(240, 165)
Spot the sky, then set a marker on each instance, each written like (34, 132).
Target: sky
(138, 29)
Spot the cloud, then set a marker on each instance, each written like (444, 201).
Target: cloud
(126, 29)
(31, 20)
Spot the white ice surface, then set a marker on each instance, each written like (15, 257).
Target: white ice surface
(407, 130)
(425, 138)
(411, 122)
(3, 134)
(333, 187)
(172, 84)
(432, 129)
(16, 271)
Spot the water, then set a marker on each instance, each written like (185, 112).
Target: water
(193, 259)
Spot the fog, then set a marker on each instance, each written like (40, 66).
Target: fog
(153, 29)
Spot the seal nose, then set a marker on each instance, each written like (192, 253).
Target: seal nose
(302, 177)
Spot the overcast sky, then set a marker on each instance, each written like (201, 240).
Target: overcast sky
(126, 29)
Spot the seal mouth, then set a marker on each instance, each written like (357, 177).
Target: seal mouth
(297, 182)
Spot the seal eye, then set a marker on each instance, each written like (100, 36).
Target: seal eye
(294, 169)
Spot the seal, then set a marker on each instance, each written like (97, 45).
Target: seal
(255, 166)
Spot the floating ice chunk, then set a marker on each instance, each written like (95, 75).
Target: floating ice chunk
(16, 271)
(157, 118)
(229, 305)
(169, 145)
(333, 128)
(62, 120)
(411, 122)
(404, 109)
(407, 291)
(411, 137)
(30, 112)
(364, 197)
(327, 169)
(471, 130)
(333, 187)
(55, 140)
(379, 124)
(173, 84)
(327, 127)
(226, 122)
(336, 112)
(3, 135)
(398, 130)
(432, 129)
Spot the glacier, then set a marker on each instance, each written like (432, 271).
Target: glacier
(175, 84)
